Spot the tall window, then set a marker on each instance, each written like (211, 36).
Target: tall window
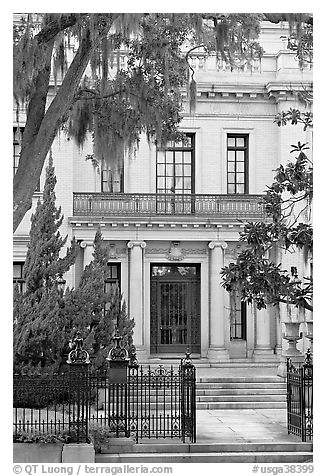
(112, 277)
(111, 179)
(17, 139)
(18, 279)
(237, 163)
(238, 317)
(112, 283)
(175, 167)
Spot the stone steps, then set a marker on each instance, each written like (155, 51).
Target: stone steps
(154, 452)
(240, 392)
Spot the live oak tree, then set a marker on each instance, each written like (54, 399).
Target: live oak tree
(39, 326)
(143, 96)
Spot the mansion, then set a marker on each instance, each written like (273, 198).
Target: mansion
(171, 216)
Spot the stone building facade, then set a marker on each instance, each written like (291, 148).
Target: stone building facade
(171, 218)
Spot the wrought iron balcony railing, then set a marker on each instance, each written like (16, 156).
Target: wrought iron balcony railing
(154, 204)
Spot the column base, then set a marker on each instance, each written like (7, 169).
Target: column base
(264, 354)
(218, 354)
(278, 350)
(142, 354)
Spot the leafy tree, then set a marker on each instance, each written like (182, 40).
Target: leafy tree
(95, 312)
(144, 96)
(254, 275)
(38, 323)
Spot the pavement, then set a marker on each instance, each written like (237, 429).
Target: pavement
(243, 426)
(239, 426)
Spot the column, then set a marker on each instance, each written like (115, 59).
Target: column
(136, 283)
(216, 351)
(263, 336)
(88, 247)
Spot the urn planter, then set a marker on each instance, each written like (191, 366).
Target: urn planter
(292, 329)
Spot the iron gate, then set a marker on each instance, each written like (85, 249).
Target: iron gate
(299, 398)
(153, 403)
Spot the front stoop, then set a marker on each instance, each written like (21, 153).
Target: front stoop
(213, 453)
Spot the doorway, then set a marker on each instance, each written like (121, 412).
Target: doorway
(175, 308)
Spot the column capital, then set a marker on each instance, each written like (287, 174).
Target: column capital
(131, 244)
(216, 244)
(85, 243)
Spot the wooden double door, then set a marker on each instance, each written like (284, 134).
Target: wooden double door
(175, 308)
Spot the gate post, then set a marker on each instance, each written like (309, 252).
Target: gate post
(118, 403)
(78, 360)
(307, 390)
(188, 398)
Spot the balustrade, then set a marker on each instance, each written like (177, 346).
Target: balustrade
(138, 204)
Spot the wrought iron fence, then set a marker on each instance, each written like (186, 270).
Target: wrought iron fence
(150, 403)
(299, 398)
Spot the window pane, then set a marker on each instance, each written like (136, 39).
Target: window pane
(231, 142)
(169, 157)
(178, 157)
(231, 178)
(168, 183)
(187, 170)
(240, 156)
(240, 142)
(231, 166)
(231, 188)
(187, 184)
(160, 157)
(179, 170)
(240, 166)
(231, 155)
(169, 170)
(240, 188)
(187, 157)
(178, 183)
(160, 169)
(161, 182)
(240, 178)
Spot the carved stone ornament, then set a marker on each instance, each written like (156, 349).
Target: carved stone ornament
(175, 252)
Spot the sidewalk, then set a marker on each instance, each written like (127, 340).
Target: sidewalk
(243, 426)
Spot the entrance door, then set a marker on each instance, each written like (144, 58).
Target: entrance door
(175, 309)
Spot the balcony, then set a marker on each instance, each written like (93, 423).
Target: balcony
(106, 205)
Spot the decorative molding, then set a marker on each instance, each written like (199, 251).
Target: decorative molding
(175, 252)
(131, 244)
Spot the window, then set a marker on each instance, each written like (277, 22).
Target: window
(17, 139)
(18, 279)
(112, 281)
(237, 163)
(111, 179)
(112, 277)
(175, 167)
(238, 317)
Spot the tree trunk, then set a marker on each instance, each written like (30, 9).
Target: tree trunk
(41, 128)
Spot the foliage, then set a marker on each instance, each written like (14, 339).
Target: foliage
(40, 437)
(287, 203)
(95, 312)
(99, 435)
(39, 326)
(116, 105)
